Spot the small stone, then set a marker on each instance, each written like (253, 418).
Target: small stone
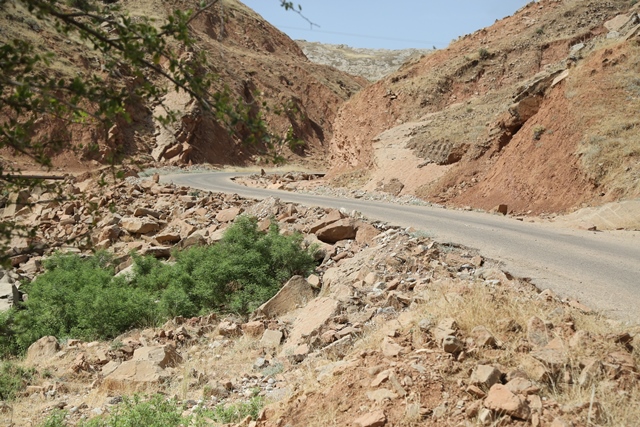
(590, 373)
(476, 392)
(483, 338)
(485, 417)
(390, 348)
(501, 400)
(381, 395)
(559, 422)
(485, 376)
(537, 334)
(372, 419)
(271, 338)
(522, 386)
(452, 345)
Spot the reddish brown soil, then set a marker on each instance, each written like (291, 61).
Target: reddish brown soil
(486, 69)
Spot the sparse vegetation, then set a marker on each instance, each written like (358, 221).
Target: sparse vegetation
(538, 131)
(13, 379)
(158, 411)
(483, 53)
(81, 298)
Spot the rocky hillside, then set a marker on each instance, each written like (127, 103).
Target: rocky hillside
(258, 64)
(391, 329)
(372, 64)
(536, 112)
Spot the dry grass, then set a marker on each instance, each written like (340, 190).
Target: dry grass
(610, 148)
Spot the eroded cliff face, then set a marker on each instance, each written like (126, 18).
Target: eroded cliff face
(258, 65)
(504, 115)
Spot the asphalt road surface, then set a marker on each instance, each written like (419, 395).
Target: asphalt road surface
(601, 270)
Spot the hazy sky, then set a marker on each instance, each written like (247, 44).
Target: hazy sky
(388, 24)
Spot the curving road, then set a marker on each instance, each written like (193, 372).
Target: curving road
(601, 270)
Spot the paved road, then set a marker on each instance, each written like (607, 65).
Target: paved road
(599, 269)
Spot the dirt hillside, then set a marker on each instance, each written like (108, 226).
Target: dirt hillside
(536, 112)
(391, 329)
(258, 64)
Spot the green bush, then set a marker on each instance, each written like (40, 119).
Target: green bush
(80, 297)
(13, 379)
(159, 411)
(235, 412)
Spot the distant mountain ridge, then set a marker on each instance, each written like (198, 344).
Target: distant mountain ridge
(372, 64)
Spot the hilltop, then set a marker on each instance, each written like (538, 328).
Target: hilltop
(536, 112)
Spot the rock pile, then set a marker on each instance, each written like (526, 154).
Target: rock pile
(391, 329)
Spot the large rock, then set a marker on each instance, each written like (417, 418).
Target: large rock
(271, 338)
(485, 376)
(309, 320)
(147, 367)
(329, 218)
(295, 293)
(366, 233)
(445, 328)
(501, 400)
(43, 349)
(339, 230)
(139, 225)
(228, 215)
(162, 356)
(136, 372)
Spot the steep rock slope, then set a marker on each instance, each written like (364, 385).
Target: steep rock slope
(508, 114)
(258, 64)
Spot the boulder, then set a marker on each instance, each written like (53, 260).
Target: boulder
(295, 293)
(228, 215)
(253, 329)
(162, 356)
(329, 218)
(43, 349)
(229, 329)
(366, 233)
(271, 338)
(339, 230)
(501, 400)
(310, 320)
(139, 225)
(445, 328)
(136, 372)
(485, 376)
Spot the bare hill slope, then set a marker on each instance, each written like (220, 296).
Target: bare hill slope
(258, 64)
(372, 64)
(536, 111)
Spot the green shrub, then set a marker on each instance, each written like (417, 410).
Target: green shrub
(156, 412)
(13, 379)
(238, 411)
(80, 297)
(159, 411)
(483, 53)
